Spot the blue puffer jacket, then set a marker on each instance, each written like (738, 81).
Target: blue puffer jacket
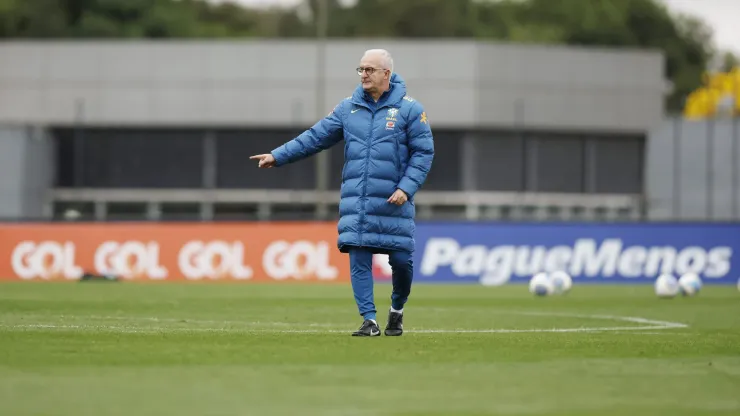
(388, 145)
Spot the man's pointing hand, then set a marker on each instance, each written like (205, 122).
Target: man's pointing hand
(266, 160)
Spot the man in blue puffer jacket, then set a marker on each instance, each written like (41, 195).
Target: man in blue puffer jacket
(388, 151)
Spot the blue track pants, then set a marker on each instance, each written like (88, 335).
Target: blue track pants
(361, 271)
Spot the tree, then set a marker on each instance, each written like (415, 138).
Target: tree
(131, 19)
(729, 61)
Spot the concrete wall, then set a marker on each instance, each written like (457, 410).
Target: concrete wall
(270, 83)
(693, 170)
(26, 172)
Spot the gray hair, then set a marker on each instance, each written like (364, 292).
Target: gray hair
(384, 54)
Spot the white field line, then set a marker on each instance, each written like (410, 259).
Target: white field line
(279, 327)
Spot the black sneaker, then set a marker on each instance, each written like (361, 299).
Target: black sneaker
(394, 327)
(367, 329)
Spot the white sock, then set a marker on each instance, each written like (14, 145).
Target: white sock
(373, 321)
(396, 311)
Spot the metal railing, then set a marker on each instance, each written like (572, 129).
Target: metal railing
(468, 205)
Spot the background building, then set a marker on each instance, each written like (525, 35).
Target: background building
(147, 129)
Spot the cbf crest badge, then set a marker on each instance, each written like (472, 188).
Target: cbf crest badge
(391, 117)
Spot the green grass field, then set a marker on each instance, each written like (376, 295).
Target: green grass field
(198, 349)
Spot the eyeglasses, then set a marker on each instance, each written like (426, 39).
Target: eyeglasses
(370, 70)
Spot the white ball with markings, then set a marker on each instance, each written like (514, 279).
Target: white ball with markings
(690, 284)
(540, 285)
(666, 286)
(561, 282)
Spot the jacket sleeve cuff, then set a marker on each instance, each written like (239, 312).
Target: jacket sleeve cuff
(407, 186)
(278, 155)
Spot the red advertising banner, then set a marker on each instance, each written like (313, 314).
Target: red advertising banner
(258, 252)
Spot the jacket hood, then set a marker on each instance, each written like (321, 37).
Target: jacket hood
(393, 96)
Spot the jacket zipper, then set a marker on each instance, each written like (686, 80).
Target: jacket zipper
(365, 174)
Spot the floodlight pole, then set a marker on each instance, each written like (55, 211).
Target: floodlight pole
(323, 159)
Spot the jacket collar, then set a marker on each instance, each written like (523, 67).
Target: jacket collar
(390, 98)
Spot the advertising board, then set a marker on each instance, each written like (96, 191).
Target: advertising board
(499, 253)
(484, 253)
(187, 251)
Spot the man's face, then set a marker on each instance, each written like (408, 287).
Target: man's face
(372, 73)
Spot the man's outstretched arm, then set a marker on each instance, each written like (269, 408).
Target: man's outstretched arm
(324, 134)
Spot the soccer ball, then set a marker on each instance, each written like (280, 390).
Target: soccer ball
(540, 285)
(689, 284)
(666, 286)
(561, 282)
